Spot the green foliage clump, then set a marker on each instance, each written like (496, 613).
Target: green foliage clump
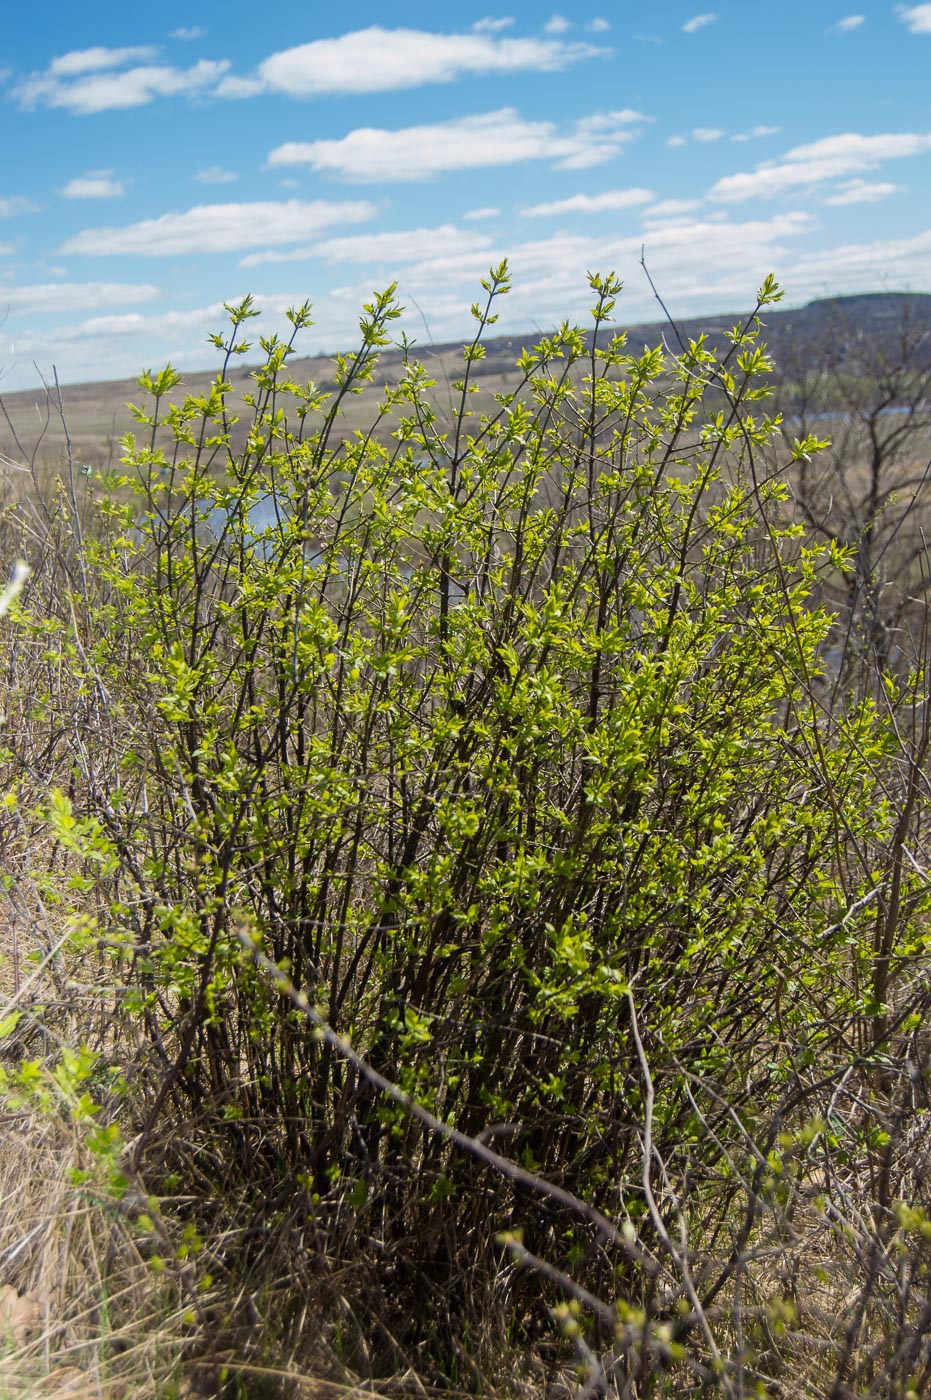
(501, 734)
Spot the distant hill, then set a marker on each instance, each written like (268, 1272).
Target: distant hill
(97, 416)
(873, 315)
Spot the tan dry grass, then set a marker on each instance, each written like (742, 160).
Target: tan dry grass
(85, 1316)
(85, 1313)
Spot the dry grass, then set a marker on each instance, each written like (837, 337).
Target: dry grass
(99, 1299)
(90, 1317)
(97, 414)
(85, 1316)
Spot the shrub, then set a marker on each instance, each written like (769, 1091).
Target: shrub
(502, 737)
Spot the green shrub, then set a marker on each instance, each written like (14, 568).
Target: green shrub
(505, 727)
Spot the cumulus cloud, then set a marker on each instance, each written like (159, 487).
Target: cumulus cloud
(558, 24)
(372, 154)
(756, 132)
(220, 228)
(111, 345)
(12, 205)
(403, 246)
(891, 262)
(847, 24)
(563, 258)
(104, 91)
(59, 297)
(188, 32)
(216, 175)
(94, 184)
(811, 164)
(133, 322)
(590, 203)
(863, 192)
(487, 211)
(238, 88)
(670, 208)
(698, 22)
(598, 26)
(386, 60)
(704, 135)
(871, 149)
(375, 59)
(917, 18)
(80, 61)
(704, 265)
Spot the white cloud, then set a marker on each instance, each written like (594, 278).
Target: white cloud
(219, 228)
(375, 59)
(216, 175)
(6, 249)
(103, 92)
(404, 246)
(239, 88)
(558, 24)
(847, 24)
(916, 17)
(598, 26)
(94, 184)
(756, 132)
(488, 211)
(704, 135)
(564, 258)
(134, 323)
(831, 158)
(188, 32)
(863, 192)
(108, 346)
(385, 60)
(371, 154)
(590, 203)
(666, 208)
(15, 204)
(59, 297)
(866, 149)
(698, 22)
(702, 266)
(893, 262)
(603, 121)
(80, 61)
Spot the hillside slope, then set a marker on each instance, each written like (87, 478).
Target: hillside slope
(97, 416)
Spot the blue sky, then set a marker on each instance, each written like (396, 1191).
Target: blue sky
(158, 161)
